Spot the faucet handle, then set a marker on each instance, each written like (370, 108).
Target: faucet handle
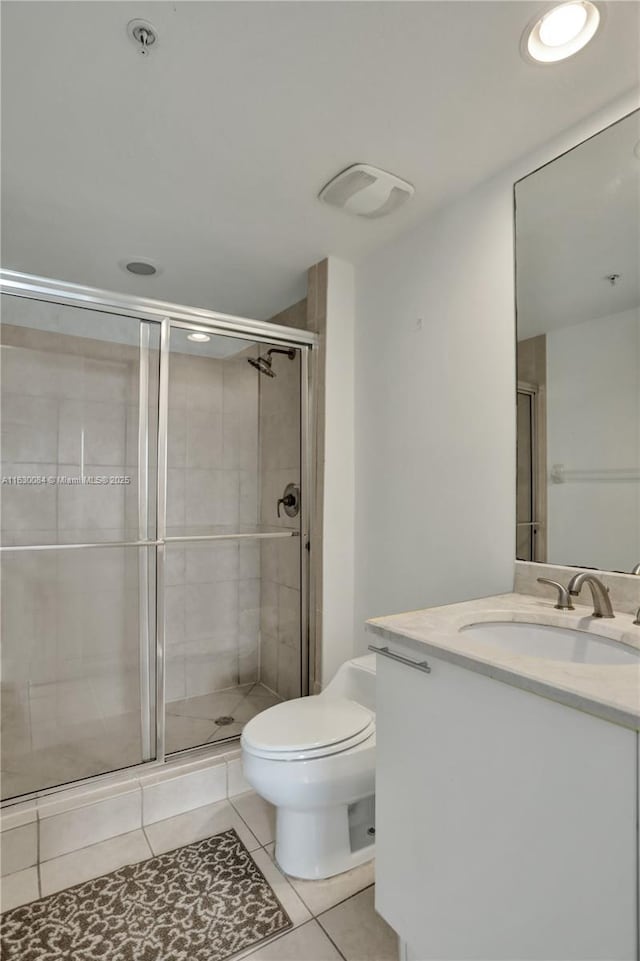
(637, 620)
(564, 598)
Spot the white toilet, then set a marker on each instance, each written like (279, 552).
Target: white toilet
(314, 759)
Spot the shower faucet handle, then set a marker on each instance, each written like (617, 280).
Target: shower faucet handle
(287, 501)
(290, 500)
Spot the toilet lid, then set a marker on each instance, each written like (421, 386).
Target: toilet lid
(308, 725)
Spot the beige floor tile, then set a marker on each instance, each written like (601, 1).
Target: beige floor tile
(319, 896)
(306, 943)
(226, 731)
(195, 825)
(183, 732)
(358, 931)
(288, 898)
(19, 888)
(242, 703)
(258, 814)
(91, 862)
(209, 706)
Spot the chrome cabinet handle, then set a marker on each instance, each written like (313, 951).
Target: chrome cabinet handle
(419, 665)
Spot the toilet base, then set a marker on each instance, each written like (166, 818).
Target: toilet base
(316, 844)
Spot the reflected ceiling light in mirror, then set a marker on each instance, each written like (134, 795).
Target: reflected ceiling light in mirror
(561, 32)
(198, 338)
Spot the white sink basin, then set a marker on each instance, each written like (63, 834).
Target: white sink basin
(553, 643)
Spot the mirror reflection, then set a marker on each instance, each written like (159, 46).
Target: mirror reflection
(578, 355)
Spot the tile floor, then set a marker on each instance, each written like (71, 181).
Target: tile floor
(194, 720)
(333, 919)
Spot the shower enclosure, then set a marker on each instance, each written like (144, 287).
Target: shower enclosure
(155, 528)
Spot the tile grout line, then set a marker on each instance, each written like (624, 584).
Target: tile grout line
(286, 878)
(94, 844)
(263, 847)
(344, 900)
(246, 823)
(328, 936)
(147, 839)
(141, 806)
(38, 861)
(142, 827)
(314, 916)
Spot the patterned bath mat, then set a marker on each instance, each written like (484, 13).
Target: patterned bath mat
(202, 902)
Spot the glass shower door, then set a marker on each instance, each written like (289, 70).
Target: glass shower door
(233, 630)
(79, 429)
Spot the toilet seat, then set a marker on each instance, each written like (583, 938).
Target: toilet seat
(308, 727)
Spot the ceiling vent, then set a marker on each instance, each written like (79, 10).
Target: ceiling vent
(366, 191)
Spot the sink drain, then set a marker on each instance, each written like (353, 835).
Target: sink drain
(224, 720)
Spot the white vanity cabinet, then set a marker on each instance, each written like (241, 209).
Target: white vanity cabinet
(506, 822)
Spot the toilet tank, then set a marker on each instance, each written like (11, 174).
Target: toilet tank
(356, 680)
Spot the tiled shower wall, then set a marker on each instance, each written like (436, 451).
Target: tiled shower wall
(213, 590)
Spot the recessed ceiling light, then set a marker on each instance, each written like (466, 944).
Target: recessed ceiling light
(562, 31)
(141, 268)
(199, 338)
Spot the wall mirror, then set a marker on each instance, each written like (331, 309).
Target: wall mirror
(578, 354)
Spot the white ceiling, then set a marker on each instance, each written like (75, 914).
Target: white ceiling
(578, 221)
(207, 155)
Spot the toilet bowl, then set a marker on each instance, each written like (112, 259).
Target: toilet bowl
(313, 758)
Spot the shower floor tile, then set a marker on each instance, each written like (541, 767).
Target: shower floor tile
(195, 720)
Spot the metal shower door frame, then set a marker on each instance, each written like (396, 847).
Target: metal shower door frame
(304, 345)
(167, 315)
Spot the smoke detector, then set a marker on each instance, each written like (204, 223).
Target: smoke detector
(366, 191)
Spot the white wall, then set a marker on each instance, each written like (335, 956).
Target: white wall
(339, 471)
(435, 422)
(593, 422)
(435, 412)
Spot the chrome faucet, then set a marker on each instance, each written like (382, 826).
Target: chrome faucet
(636, 569)
(600, 594)
(637, 620)
(564, 598)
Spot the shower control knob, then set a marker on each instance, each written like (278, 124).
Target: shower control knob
(290, 500)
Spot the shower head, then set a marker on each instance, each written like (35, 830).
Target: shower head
(262, 364)
(265, 364)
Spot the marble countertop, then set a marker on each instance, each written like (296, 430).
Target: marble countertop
(608, 691)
